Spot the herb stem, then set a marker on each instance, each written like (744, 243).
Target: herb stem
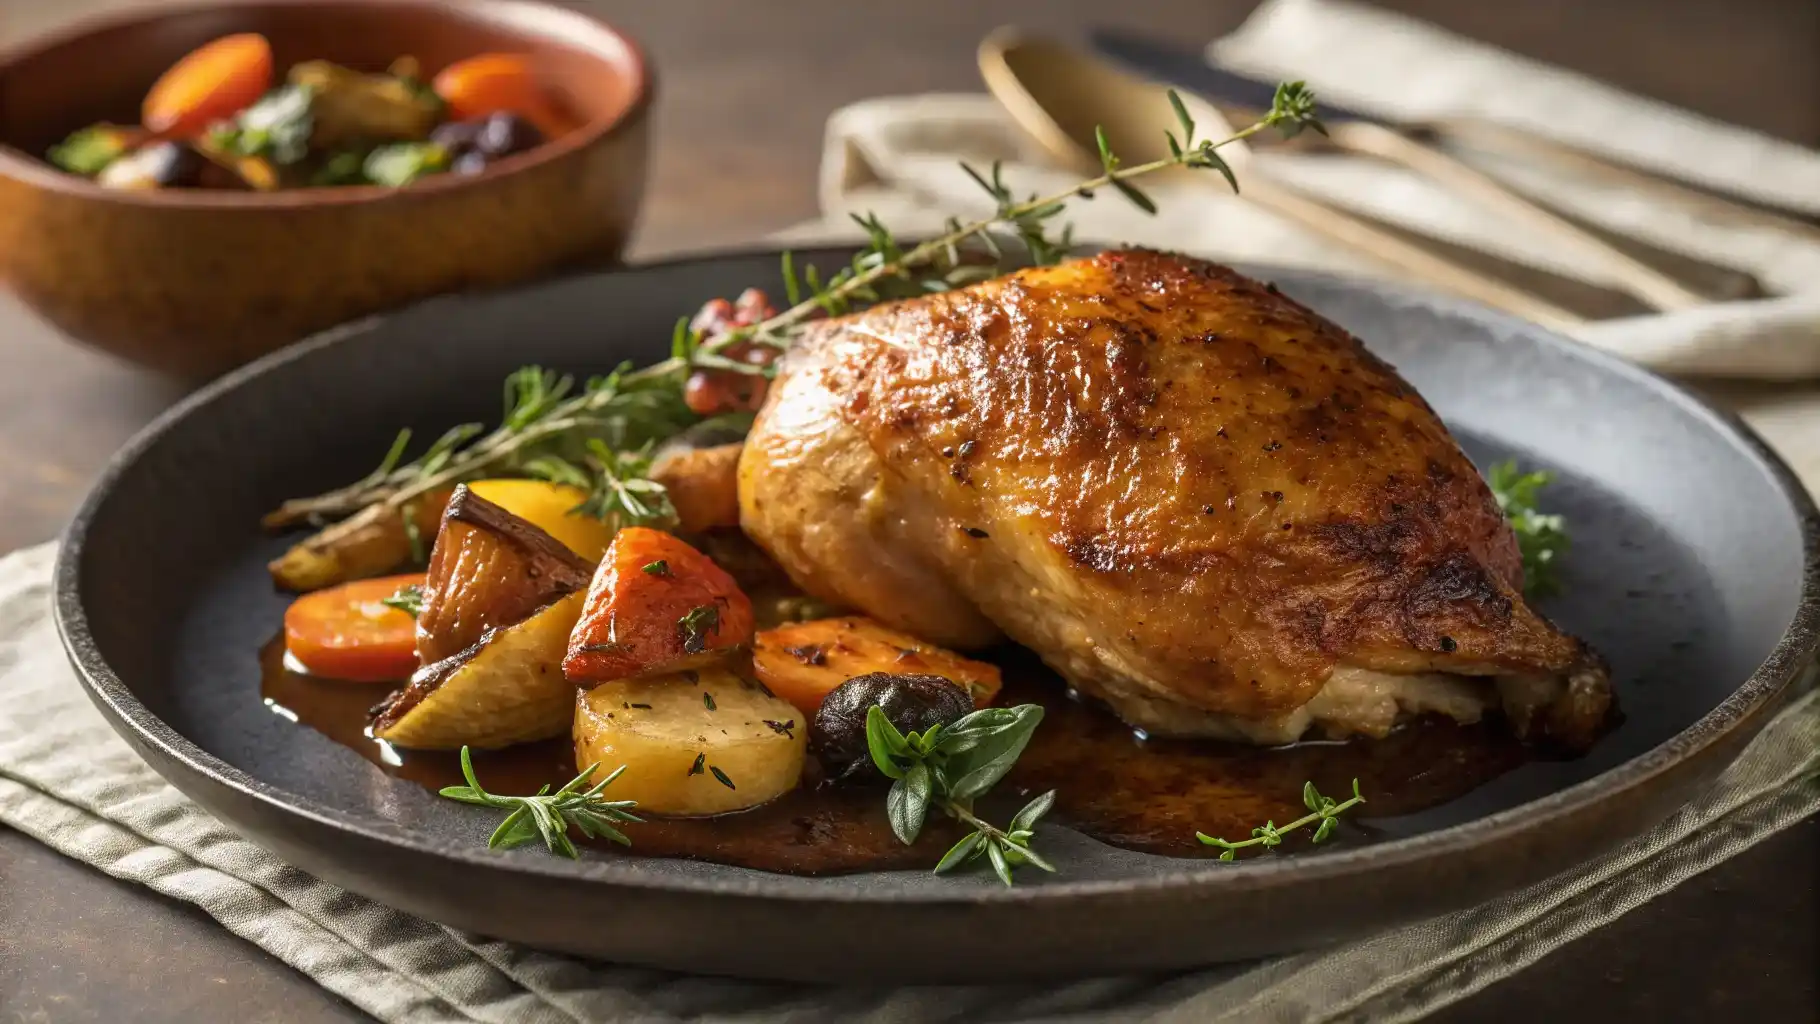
(929, 250)
(1322, 809)
(392, 490)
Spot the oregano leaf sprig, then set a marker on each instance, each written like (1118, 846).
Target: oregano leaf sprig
(1541, 539)
(948, 768)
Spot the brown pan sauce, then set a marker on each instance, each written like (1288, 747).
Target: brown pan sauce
(1146, 795)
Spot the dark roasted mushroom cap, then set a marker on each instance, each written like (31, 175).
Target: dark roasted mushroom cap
(837, 737)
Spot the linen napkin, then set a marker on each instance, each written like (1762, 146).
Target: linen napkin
(67, 780)
(898, 156)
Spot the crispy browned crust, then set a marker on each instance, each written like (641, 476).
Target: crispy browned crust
(489, 568)
(422, 683)
(1237, 494)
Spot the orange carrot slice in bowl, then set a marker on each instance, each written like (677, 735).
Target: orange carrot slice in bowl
(499, 82)
(212, 82)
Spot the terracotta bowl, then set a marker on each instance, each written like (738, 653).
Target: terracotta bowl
(193, 282)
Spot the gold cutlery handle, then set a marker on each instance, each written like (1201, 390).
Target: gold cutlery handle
(1653, 287)
(1413, 260)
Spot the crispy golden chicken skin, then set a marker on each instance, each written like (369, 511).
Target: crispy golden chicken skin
(1195, 498)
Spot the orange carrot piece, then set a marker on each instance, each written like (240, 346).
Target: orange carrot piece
(496, 82)
(656, 605)
(211, 83)
(346, 632)
(804, 661)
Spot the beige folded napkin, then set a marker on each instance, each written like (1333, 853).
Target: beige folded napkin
(898, 156)
(69, 782)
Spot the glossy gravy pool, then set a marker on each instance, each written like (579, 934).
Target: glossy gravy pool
(1147, 795)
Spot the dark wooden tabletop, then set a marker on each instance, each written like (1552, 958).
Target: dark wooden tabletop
(746, 88)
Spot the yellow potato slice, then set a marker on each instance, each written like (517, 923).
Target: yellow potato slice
(693, 744)
(506, 689)
(550, 507)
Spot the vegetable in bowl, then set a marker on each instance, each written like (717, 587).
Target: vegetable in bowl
(219, 119)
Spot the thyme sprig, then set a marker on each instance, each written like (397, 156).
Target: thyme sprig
(1321, 808)
(550, 429)
(949, 768)
(549, 815)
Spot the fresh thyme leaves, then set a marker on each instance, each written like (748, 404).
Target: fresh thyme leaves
(722, 776)
(695, 626)
(657, 568)
(545, 433)
(553, 431)
(951, 767)
(707, 700)
(1320, 808)
(548, 815)
(1541, 538)
(700, 760)
(408, 599)
(617, 482)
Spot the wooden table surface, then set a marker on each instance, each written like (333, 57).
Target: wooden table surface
(746, 88)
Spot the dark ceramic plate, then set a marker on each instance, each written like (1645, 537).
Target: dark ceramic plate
(1695, 568)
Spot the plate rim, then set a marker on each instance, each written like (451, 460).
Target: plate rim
(1796, 648)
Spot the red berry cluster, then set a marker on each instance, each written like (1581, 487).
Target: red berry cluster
(710, 392)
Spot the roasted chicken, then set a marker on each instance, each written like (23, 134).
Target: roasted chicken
(1196, 499)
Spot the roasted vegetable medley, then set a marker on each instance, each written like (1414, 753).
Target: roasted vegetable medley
(219, 119)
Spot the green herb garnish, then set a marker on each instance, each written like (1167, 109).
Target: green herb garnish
(408, 599)
(412, 535)
(696, 625)
(276, 128)
(1541, 538)
(88, 151)
(657, 568)
(722, 776)
(700, 759)
(548, 814)
(707, 700)
(586, 436)
(952, 767)
(397, 164)
(1321, 809)
(347, 167)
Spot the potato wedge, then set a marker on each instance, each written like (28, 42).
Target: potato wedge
(656, 605)
(489, 569)
(692, 743)
(802, 662)
(506, 689)
(371, 542)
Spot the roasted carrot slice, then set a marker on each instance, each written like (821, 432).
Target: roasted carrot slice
(348, 632)
(804, 661)
(495, 82)
(656, 605)
(211, 83)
